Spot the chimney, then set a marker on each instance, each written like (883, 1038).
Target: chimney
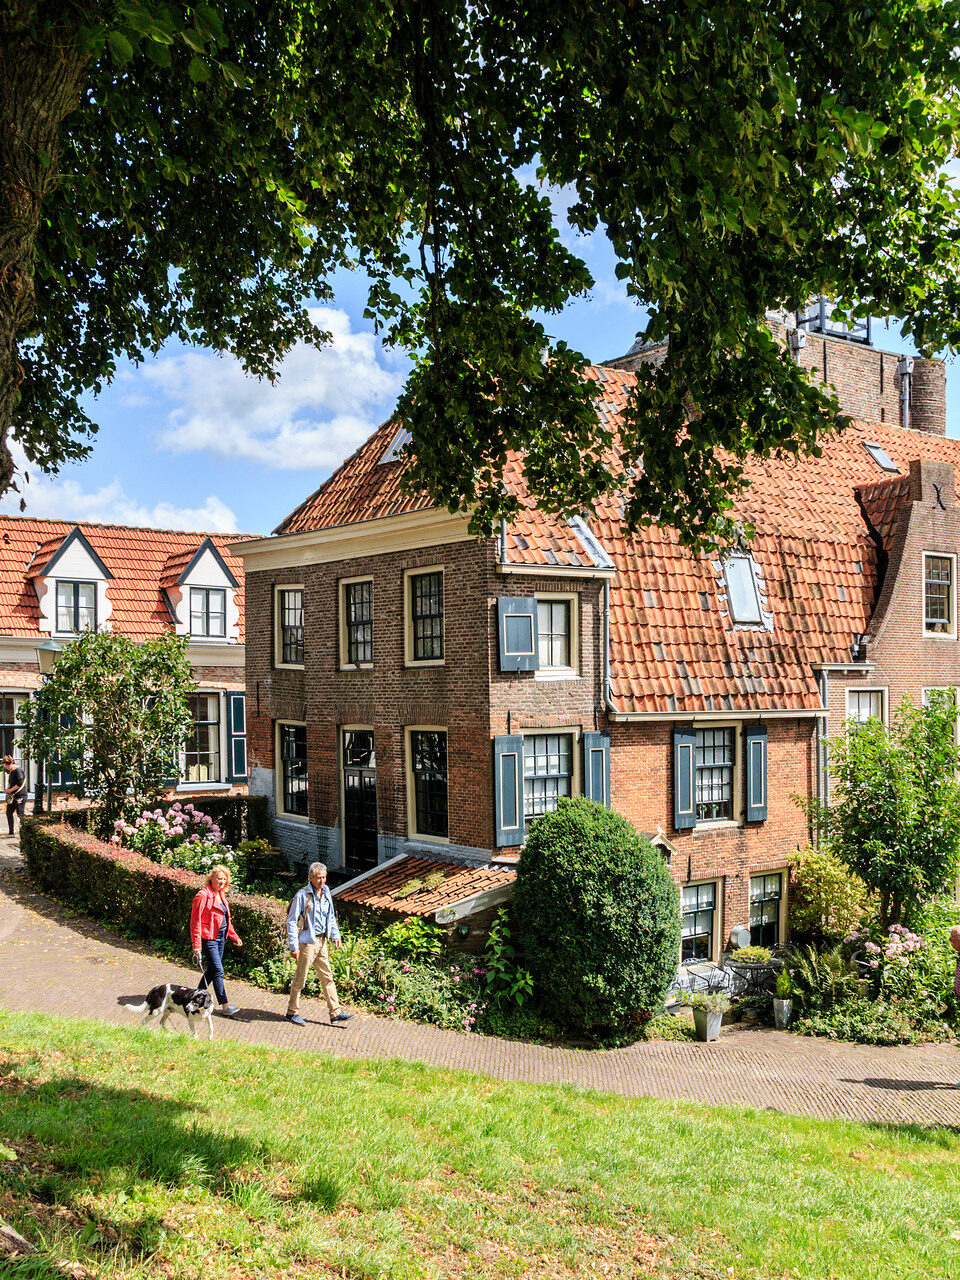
(928, 397)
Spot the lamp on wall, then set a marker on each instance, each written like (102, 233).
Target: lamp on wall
(47, 654)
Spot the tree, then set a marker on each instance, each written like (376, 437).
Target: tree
(598, 917)
(114, 716)
(198, 171)
(894, 812)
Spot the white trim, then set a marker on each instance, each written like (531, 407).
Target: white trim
(277, 632)
(408, 575)
(782, 917)
(464, 907)
(408, 531)
(572, 600)
(699, 717)
(950, 634)
(717, 932)
(554, 570)
(342, 636)
(884, 699)
(842, 666)
(222, 711)
(572, 731)
(203, 786)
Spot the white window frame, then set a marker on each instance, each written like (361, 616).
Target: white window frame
(278, 625)
(303, 818)
(221, 784)
(716, 934)
(411, 783)
(408, 658)
(345, 663)
(951, 632)
(575, 734)
(207, 635)
(20, 696)
(75, 582)
(748, 560)
(782, 872)
(572, 670)
(855, 689)
(737, 816)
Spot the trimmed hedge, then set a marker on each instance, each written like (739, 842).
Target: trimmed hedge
(238, 817)
(137, 895)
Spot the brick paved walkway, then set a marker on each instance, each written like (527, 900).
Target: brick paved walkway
(53, 961)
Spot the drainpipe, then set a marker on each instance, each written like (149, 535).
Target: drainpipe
(905, 370)
(822, 727)
(607, 680)
(503, 539)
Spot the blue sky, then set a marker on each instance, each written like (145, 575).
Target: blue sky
(187, 441)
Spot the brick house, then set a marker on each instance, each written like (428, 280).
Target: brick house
(415, 692)
(58, 578)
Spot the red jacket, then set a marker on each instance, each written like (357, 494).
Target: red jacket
(206, 918)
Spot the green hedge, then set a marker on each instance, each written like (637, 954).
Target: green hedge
(135, 894)
(238, 817)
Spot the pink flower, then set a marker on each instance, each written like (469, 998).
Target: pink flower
(872, 946)
(874, 964)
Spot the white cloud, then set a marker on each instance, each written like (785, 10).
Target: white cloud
(45, 496)
(324, 403)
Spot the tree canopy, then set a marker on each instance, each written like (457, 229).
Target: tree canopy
(200, 171)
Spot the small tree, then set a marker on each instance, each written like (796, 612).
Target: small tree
(894, 815)
(114, 716)
(598, 917)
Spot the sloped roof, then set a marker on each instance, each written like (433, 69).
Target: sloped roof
(389, 888)
(674, 646)
(137, 558)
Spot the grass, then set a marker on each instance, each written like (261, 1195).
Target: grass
(143, 1154)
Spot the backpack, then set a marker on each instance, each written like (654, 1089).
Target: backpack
(302, 918)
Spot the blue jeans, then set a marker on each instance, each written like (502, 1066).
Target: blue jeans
(212, 952)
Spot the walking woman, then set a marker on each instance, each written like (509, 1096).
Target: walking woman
(210, 928)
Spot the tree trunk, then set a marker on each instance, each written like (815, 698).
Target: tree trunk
(41, 77)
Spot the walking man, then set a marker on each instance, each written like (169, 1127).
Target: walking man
(311, 924)
(16, 791)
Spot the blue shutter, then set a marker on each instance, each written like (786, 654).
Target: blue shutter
(237, 736)
(508, 789)
(755, 767)
(61, 778)
(596, 767)
(684, 779)
(517, 629)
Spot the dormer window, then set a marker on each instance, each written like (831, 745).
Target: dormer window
(881, 457)
(208, 612)
(743, 597)
(76, 606)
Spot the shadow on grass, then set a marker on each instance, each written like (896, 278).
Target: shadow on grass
(71, 1129)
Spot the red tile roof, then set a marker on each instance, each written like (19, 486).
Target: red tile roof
(137, 558)
(390, 888)
(674, 646)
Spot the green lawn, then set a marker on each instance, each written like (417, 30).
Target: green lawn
(148, 1154)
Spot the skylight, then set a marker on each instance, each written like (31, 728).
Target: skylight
(400, 440)
(881, 457)
(743, 598)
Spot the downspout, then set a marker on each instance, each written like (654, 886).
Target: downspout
(607, 679)
(905, 370)
(503, 540)
(822, 728)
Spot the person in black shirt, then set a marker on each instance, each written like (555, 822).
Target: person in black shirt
(16, 791)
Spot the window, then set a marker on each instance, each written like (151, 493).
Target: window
(396, 446)
(743, 598)
(10, 727)
(293, 769)
(547, 772)
(938, 594)
(553, 625)
(202, 753)
(208, 612)
(698, 909)
(880, 456)
(716, 757)
(76, 606)
(426, 617)
(290, 626)
(358, 623)
(862, 704)
(428, 764)
(766, 895)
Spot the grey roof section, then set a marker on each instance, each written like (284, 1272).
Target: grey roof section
(590, 543)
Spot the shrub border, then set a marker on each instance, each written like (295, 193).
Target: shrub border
(134, 894)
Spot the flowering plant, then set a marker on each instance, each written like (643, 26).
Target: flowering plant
(904, 969)
(181, 837)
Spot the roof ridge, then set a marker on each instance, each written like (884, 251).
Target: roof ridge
(130, 528)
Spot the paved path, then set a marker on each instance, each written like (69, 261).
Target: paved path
(53, 961)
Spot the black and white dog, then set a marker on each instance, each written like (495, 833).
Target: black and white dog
(196, 1006)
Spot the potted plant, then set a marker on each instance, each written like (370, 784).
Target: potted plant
(708, 1010)
(783, 1000)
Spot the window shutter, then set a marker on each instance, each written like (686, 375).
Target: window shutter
(684, 779)
(237, 736)
(519, 639)
(596, 767)
(755, 752)
(508, 789)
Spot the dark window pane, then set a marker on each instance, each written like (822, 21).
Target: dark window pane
(547, 771)
(428, 749)
(293, 767)
(358, 607)
(426, 603)
(208, 612)
(938, 593)
(291, 627)
(715, 760)
(697, 905)
(202, 753)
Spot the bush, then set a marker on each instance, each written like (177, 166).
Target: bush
(867, 1021)
(597, 912)
(751, 955)
(412, 939)
(134, 894)
(827, 900)
(824, 980)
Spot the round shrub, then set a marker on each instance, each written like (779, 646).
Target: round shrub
(598, 918)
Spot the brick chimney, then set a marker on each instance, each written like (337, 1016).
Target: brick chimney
(928, 397)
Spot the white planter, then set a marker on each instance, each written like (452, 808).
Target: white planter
(781, 1013)
(707, 1025)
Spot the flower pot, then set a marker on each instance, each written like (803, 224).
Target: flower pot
(707, 1025)
(781, 1013)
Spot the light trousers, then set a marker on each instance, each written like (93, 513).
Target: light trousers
(315, 955)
